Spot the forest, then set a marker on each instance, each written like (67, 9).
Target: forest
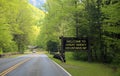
(18, 25)
(99, 20)
(21, 25)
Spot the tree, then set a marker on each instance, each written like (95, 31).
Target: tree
(96, 19)
(52, 46)
(5, 33)
(111, 29)
(16, 25)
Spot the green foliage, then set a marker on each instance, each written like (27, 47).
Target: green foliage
(80, 56)
(98, 20)
(111, 29)
(17, 25)
(1, 52)
(52, 46)
(59, 21)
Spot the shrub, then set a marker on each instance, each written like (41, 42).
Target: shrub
(80, 56)
(52, 46)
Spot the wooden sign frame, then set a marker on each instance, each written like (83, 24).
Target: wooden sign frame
(73, 43)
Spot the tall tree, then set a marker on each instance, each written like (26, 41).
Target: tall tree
(111, 29)
(16, 25)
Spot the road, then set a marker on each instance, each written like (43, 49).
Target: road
(30, 65)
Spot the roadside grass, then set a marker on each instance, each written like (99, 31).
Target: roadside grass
(25, 53)
(81, 68)
(14, 56)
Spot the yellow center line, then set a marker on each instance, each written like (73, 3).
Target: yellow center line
(13, 67)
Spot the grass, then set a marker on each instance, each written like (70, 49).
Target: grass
(14, 56)
(25, 53)
(80, 68)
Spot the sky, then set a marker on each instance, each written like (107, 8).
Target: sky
(37, 3)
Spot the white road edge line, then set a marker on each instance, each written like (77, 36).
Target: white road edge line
(62, 68)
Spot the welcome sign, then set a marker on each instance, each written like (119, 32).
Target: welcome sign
(72, 43)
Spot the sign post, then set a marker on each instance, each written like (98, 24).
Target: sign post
(62, 51)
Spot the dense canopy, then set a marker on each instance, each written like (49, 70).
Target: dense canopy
(18, 25)
(21, 24)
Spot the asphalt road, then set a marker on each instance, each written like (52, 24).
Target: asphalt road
(30, 65)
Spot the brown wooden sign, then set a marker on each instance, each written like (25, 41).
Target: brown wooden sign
(72, 43)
